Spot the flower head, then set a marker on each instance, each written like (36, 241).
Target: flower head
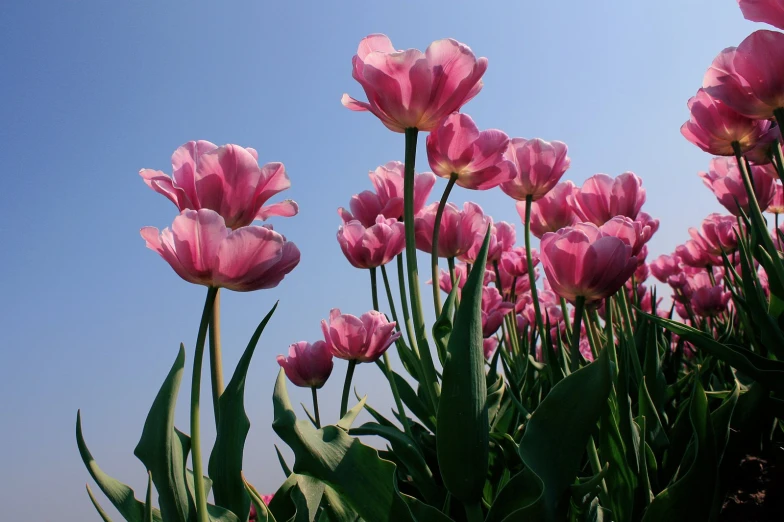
(361, 339)
(538, 166)
(307, 365)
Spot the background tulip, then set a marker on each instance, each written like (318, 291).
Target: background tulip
(307, 365)
(457, 147)
(458, 231)
(725, 181)
(373, 246)
(411, 89)
(602, 197)
(360, 339)
(664, 266)
(552, 211)
(225, 179)
(717, 234)
(710, 301)
(493, 310)
(202, 250)
(767, 11)
(776, 205)
(538, 166)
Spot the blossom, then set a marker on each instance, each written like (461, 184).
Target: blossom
(373, 246)
(710, 301)
(767, 11)
(717, 234)
(458, 231)
(725, 181)
(552, 211)
(307, 365)
(538, 166)
(360, 339)
(601, 198)
(665, 266)
(493, 310)
(776, 205)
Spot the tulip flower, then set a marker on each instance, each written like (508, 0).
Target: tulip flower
(387, 199)
(489, 345)
(538, 166)
(766, 11)
(714, 126)
(601, 198)
(202, 250)
(458, 230)
(664, 266)
(692, 253)
(763, 151)
(717, 234)
(493, 310)
(225, 179)
(461, 276)
(373, 246)
(551, 212)
(456, 148)
(746, 78)
(776, 206)
(360, 339)
(410, 89)
(710, 301)
(514, 262)
(307, 365)
(724, 179)
(633, 233)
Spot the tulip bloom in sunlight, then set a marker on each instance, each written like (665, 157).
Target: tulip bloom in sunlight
(766, 11)
(373, 246)
(360, 339)
(716, 234)
(502, 239)
(713, 126)
(692, 253)
(725, 181)
(387, 199)
(664, 266)
(202, 250)
(411, 89)
(776, 206)
(225, 179)
(307, 365)
(493, 310)
(710, 301)
(602, 197)
(585, 262)
(457, 147)
(538, 166)
(551, 212)
(633, 233)
(458, 230)
(749, 79)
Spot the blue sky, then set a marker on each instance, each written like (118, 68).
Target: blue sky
(94, 91)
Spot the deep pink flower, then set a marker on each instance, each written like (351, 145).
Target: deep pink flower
(477, 158)
(584, 262)
(493, 310)
(461, 276)
(692, 253)
(538, 166)
(489, 345)
(307, 365)
(502, 239)
(709, 301)
(766, 11)
(713, 126)
(716, 234)
(776, 206)
(225, 179)
(458, 231)
(762, 153)
(633, 233)
(664, 266)
(514, 262)
(373, 246)
(202, 250)
(387, 198)
(411, 89)
(551, 212)
(748, 79)
(361, 339)
(601, 198)
(549, 304)
(724, 179)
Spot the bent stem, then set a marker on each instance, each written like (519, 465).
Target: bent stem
(434, 249)
(347, 387)
(198, 467)
(579, 306)
(216, 359)
(314, 391)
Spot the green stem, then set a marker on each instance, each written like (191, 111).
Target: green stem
(754, 208)
(198, 358)
(390, 299)
(474, 512)
(434, 250)
(401, 281)
(709, 268)
(431, 381)
(579, 306)
(374, 288)
(531, 274)
(567, 322)
(347, 387)
(216, 360)
(778, 160)
(608, 328)
(314, 391)
(592, 337)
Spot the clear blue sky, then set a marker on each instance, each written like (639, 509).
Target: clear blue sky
(93, 91)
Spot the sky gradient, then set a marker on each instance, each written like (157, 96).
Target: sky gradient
(94, 91)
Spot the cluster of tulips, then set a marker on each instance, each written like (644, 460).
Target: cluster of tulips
(575, 397)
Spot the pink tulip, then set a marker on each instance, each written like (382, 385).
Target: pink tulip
(476, 158)
(716, 234)
(461, 276)
(724, 179)
(692, 253)
(225, 179)
(458, 231)
(514, 262)
(373, 246)
(493, 310)
(551, 212)
(360, 339)
(763, 151)
(488, 346)
(633, 233)
(746, 78)
(766, 11)
(502, 239)
(714, 126)
(202, 250)
(308, 365)
(664, 266)
(710, 301)
(776, 205)
(411, 89)
(549, 304)
(387, 200)
(601, 198)
(538, 166)
(585, 262)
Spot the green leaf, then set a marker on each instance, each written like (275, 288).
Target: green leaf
(721, 419)
(98, 507)
(163, 451)
(307, 497)
(353, 470)
(424, 513)
(281, 505)
(691, 497)
(557, 433)
(148, 507)
(442, 328)
(416, 405)
(282, 461)
(522, 498)
(463, 429)
(120, 495)
(263, 513)
(351, 415)
(225, 464)
(338, 510)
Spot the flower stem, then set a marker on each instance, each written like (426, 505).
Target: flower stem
(390, 299)
(347, 387)
(579, 306)
(216, 360)
(434, 250)
(754, 208)
(778, 160)
(567, 323)
(314, 391)
(532, 280)
(401, 281)
(198, 467)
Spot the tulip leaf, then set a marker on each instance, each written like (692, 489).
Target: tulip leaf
(98, 507)
(148, 500)
(522, 498)
(263, 513)
(442, 328)
(282, 461)
(120, 495)
(463, 429)
(417, 406)
(163, 451)
(337, 508)
(225, 464)
(307, 497)
(281, 505)
(721, 418)
(353, 470)
(351, 415)
(691, 496)
(557, 433)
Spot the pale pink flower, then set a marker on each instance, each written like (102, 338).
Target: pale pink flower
(552, 211)
(360, 339)
(602, 197)
(725, 181)
(538, 166)
(373, 246)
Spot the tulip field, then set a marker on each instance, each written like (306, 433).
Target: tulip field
(570, 374)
